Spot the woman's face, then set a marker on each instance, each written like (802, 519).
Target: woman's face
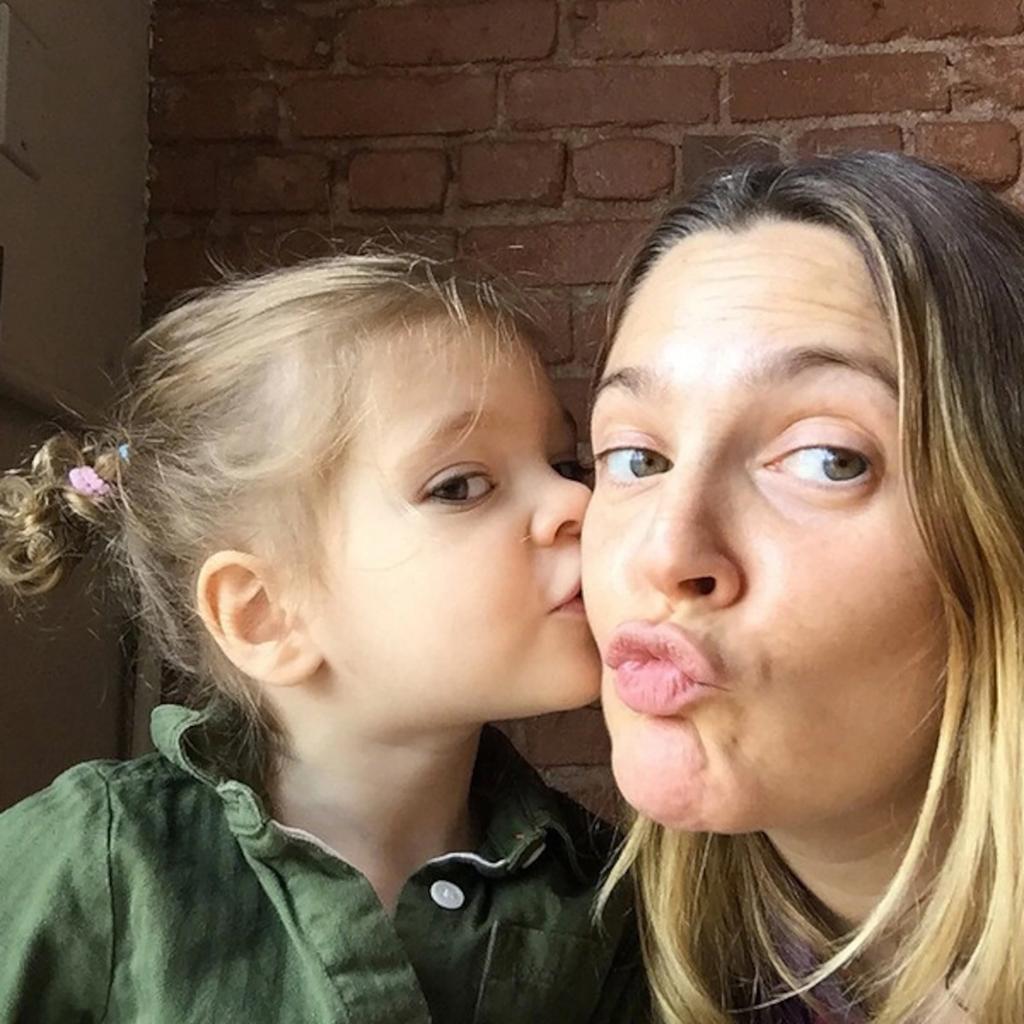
(752, 570)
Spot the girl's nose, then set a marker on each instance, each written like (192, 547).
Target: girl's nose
(559, 510)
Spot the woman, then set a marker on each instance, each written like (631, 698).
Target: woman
(804, 568)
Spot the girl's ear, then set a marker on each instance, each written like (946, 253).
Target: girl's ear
(238, 604)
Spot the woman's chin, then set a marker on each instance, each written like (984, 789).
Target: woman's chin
(661, 768)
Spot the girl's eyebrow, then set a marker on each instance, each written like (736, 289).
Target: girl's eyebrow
(771, 368)
(452, 429)
(443, 433)
(449, 430)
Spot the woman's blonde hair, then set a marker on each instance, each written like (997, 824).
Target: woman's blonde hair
(728, 930)
(239, 405)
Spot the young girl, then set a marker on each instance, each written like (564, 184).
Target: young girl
(346, 504)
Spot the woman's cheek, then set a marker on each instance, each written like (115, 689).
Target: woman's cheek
(600, 584)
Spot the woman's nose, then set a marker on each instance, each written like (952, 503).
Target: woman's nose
(559, 512)
(683, 554)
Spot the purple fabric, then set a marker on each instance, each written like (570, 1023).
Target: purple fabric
(829, 994)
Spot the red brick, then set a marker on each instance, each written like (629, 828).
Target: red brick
(567, 737)
(703, 155)
(875, 21)
(252, 248)
(276, 247)
(269, 183)
(842, 140)
(623, 27)
(409, 104)
(426, 240)
(574, 393)
(511, 172)
(992, 73)
(214, 110)
(174, 265)
(182, 181)
(451, 34)
(617, 94)
(414, 179)
(563, 253)
(989, 153)
(624, 169)
(187, 40)
(550, 311)
(866, 84)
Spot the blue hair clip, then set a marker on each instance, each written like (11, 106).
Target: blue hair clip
(122, 450)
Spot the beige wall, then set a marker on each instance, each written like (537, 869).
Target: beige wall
(73, 233)
(73, 236)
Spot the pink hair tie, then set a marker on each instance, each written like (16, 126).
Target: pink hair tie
(86, 481)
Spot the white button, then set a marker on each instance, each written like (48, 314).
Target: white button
(447, 895)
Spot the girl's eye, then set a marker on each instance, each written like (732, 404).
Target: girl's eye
(573, 469)
(624, 465)
(826, 465)
(464, 487)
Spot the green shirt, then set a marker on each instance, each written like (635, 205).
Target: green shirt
(152, 892)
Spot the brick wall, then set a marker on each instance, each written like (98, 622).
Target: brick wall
(542, 137)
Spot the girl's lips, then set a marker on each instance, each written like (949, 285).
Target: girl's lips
(659, 670)
(574, 604)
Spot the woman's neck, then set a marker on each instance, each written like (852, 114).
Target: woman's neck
(849, 863)
(384, 804)
(847, 877)
(849, 867)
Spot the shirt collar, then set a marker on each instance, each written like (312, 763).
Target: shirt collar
(524, 815)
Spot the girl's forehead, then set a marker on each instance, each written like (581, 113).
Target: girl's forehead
(443, 392)
(436, 364)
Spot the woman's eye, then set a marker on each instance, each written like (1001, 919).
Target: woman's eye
(625, 465)
(573, 469)
(826, 465)
(462, 488)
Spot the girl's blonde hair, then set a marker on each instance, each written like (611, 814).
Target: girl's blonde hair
(239, 405)
(727, 927)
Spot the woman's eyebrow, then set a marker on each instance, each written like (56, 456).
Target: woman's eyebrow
(639, 381)
(783, 365)
(771, 368)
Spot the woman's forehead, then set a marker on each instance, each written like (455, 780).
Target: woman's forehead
(774, 283)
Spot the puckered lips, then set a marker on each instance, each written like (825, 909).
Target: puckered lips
(659, 669)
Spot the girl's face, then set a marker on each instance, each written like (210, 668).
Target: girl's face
(452, 556)
(753, 574)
